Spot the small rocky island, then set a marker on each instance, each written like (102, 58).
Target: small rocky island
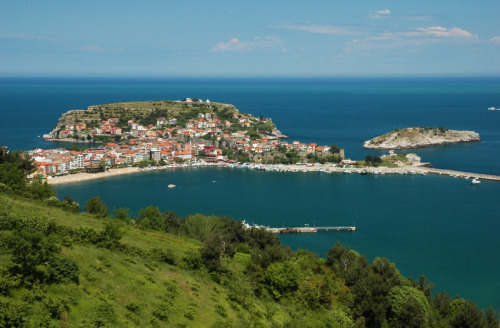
(417, 137)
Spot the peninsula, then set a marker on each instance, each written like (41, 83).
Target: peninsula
(417, 137)
(159, 133)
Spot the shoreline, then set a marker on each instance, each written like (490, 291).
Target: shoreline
(327, 168)
(82, 177)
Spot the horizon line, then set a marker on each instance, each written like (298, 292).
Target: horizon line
(244, 76)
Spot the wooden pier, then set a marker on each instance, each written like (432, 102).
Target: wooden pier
(309, 229)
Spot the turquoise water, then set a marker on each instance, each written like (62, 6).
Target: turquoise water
(339, 111)
(444, 228)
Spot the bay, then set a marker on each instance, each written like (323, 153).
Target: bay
(444, 228)
(441, 227)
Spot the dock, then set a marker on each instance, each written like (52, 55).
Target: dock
(309, 229)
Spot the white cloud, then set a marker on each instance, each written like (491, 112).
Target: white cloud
(495, 39)
(439, 31)
(383, 12)
(318, 29)
(425, 32)
(376, 14)
(237, 45)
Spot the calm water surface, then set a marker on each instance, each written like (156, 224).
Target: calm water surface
(444, 228)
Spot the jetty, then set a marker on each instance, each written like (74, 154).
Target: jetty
(309, 229)
(460, 174)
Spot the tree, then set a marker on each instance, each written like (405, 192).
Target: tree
(491, 318)
(211, 252)
(334, 149)
(411, 315)
(12, 176)
(151, 218)
(71, 204)
(172, 222)
(200, 226)
(112, 234)
(282, 278)
(31, 245)
(40, 189)
(22, 160)
(464, 313)
(122, 214)
(409, 306)
(96, 207)
(102, 166)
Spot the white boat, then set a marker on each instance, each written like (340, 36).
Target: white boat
(171, 186)
(475, 181)
(492, 108)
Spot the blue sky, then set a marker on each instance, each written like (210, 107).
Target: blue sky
(249, 38)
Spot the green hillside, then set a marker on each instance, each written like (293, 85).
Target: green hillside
(62, 268)
(146, 278)
(146, 112)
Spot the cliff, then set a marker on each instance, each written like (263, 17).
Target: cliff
(417, 137)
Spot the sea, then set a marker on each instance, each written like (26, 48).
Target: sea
(444, 228)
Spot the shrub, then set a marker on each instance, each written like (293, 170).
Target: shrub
(64, 269)
(55, 306)
(192, 260)
(133, 306)
(160, 255)
(161, 311)
(112, 234)
(96, 207)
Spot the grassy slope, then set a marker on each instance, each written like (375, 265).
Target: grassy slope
(139, 109)
(124, 282)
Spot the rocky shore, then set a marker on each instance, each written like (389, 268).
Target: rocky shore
(417, 137)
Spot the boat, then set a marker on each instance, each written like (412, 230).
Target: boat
(171, 186)
(475, 181)
(492, 108)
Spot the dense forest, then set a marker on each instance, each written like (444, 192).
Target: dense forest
(109, 268)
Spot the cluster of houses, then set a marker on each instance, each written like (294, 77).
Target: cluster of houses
(61, 161)
(206, 124)
(166, 141)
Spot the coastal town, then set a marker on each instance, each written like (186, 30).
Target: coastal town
(129, 137)
(202, 132)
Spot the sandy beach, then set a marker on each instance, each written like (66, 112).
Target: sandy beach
(80, 177)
